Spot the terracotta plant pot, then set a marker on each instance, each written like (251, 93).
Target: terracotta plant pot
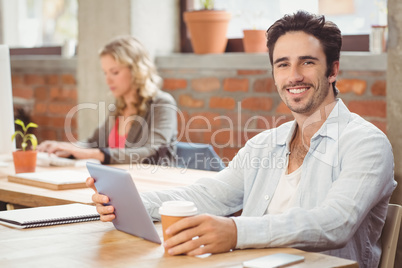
(254, 41)
(24, 161)
(208, 29)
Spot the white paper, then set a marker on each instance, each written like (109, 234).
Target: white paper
(6, 103)
(56, 176)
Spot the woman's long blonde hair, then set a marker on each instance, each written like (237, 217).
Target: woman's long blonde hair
(129, 52)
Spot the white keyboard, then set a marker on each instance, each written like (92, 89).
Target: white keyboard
(45, 159)
(3, 164)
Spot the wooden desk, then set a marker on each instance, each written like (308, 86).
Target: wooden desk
(146, 178)
(98, 244)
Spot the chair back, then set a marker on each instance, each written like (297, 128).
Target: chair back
(198, 156)
(389, 236)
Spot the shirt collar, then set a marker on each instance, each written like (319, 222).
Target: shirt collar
(335, 123)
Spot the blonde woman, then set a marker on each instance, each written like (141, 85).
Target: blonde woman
(143, 127)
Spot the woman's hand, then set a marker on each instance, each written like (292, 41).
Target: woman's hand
(66, 149)
(106, 212)
(54, 147)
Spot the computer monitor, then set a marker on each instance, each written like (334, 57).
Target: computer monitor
(6, 103)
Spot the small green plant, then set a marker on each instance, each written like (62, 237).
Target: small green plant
(207, 4)
(24, 135)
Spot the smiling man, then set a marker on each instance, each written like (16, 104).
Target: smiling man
(330, 196)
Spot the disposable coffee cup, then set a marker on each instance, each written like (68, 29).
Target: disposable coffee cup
(173, 211)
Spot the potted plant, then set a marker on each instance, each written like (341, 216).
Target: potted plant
(207, 28)
(25, 159)
(254, 38)
(254, 41)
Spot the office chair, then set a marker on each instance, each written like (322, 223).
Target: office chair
(390, 235)
(198, 156)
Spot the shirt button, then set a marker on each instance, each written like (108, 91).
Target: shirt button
(266, 197)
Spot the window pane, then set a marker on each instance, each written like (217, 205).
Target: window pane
(359, 20)
(352, 16)
(35, 23)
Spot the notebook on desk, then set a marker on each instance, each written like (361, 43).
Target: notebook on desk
(53, 180)
(51, 215)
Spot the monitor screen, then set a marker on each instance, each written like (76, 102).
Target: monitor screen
(6, 103)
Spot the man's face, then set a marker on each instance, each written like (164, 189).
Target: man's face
(299, 67)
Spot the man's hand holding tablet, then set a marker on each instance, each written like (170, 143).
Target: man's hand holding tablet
(130, 215)
(106, 212)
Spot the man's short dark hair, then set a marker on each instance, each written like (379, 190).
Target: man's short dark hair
(326, 32)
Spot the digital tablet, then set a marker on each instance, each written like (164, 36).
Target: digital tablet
(131, 215)
(273, 261)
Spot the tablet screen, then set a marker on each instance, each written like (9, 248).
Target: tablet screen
(131, 215)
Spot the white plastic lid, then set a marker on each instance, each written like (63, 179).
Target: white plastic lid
(178, 208)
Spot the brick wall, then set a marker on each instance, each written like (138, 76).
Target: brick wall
(223, 106)
(364, 92)
(227, 107)
(46, 98)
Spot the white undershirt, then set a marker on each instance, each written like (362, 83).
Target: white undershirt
(285, 192)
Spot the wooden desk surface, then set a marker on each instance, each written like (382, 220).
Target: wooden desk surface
(146, 178)
(98, 244)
